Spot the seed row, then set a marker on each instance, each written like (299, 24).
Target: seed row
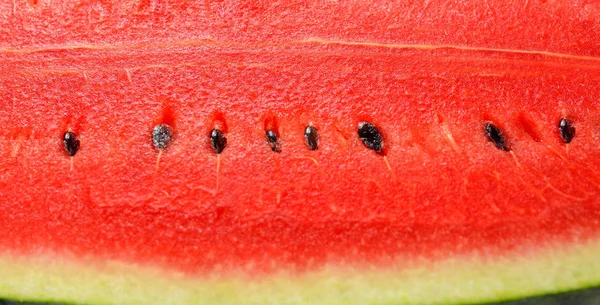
(369, 134)
(495, 135)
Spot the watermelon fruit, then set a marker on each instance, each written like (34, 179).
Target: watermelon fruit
(319, 152)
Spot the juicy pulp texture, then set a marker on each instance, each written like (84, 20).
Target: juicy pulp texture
(110, 72)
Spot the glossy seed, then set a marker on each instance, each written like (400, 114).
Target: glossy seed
(495, 135)
(311, 136)
(218, 140)
(71, 143)
(370, 136)
(567, 131)
(273, 140)
(161, 136)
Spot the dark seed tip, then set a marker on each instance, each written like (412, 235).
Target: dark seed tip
(496, 136)
(161, 136)
(273, 140)
(567, 130)
(71, 143)
(311, 135)
(370, 136)
(218, 140)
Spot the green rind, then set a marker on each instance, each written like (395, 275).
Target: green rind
(471, 279)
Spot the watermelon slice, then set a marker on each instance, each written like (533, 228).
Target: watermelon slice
(258, 152)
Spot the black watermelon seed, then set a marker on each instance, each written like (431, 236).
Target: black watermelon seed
(71, 143)
(370, 136)
(311, 135)
(218, 140)
(495, 135)
(161, 136)
(567, 131)
(273, 140)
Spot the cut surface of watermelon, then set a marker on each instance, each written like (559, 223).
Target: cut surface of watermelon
(453, 155)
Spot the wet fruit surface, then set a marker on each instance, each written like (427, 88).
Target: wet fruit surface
(440, 189)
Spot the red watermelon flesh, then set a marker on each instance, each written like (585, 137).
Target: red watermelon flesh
(429, 75)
